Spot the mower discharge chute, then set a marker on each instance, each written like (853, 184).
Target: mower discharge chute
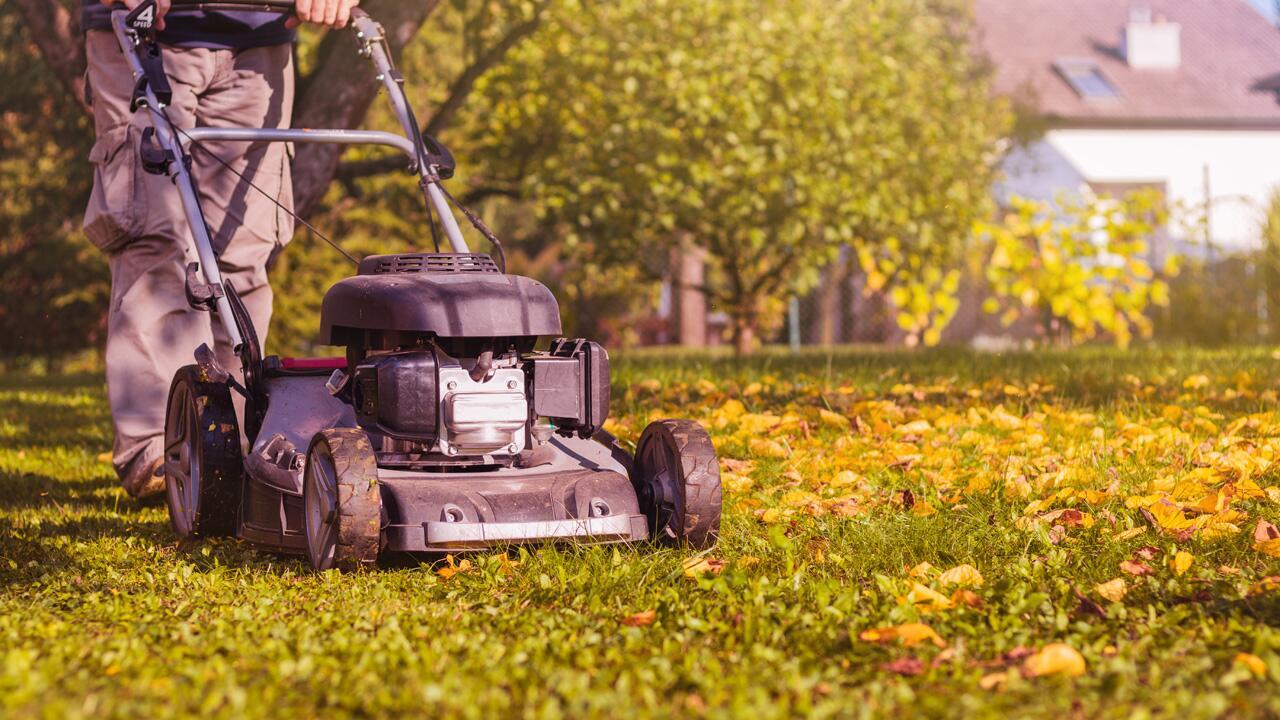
(443, 428)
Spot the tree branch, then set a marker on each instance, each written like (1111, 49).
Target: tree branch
(56, 32)
(466, 82)
(338, 94)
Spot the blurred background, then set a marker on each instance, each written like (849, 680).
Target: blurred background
(741, 173)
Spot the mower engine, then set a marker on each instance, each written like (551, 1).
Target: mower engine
(443, 376)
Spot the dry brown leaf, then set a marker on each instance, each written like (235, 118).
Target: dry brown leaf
(640, 619)
(910, 666)
(1136, 568)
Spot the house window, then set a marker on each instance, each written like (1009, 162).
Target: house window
(1086, 78)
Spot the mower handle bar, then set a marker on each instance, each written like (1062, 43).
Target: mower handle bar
(277, 6)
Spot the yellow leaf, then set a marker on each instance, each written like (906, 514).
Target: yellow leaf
(1269, 547)
(1055, 659)
(926, 599)
(923, 509)
(1181, 562)
(924, 569)
(835, 420)
(1253, 663)
(754, 388)
(962, 575)
(768, 448)
(1195, 382)
(916, 427)
(910, 634)
(1113, 590)
(695, 566)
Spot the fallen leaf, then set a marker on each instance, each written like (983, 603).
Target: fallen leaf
(1265, 531)
(834, 420)
(1136, 568)
(1145, 553)
(1181, 562)
(993, 680)
(923, 509)
(910, 634)
(695, 566)
(1269, 547)
(962, 575)
(641, 619)
(966, 597)
(924, 569)
(1112, 590)
(1253, 663)
(768, 448)
(908, 666)
(926, 599)
(1055, 659)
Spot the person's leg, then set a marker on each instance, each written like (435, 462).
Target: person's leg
(251, 88)
(137, 220)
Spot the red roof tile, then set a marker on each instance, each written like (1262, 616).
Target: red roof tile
(1229, 52)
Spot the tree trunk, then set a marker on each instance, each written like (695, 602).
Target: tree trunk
(56, 32)
(744, 332)
(830, 302)
(690, 301)
(339, 91)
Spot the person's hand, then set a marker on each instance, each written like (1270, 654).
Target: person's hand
(162, 7)
(330, 13)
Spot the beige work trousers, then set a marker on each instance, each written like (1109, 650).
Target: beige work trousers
(137, 219)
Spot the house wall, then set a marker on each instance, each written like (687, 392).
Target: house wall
(1244, 167)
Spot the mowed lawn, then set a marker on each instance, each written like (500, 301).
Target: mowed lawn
(936, 533)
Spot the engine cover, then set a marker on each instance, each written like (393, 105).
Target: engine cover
(445, 295)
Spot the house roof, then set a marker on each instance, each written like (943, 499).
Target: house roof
(1230, 60)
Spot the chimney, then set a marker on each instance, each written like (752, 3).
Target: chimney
(1151, 43)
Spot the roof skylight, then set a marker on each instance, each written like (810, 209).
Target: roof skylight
(1086, 78)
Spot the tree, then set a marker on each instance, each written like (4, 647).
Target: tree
(1078, 267)
(766, 133)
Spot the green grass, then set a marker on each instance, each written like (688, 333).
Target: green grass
(104, 614)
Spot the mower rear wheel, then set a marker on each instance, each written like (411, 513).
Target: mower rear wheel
(203, 469)
(342, 502)
(677, 479)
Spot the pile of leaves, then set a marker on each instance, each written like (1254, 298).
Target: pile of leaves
(1087, 533)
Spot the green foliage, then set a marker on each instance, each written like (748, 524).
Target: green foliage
(1271, 264)
(767, 133)
(53, 283)
(104, 614)
(1078, 267)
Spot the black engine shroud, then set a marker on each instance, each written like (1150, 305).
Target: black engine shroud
(443, 295)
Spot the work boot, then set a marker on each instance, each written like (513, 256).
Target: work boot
(148, 480)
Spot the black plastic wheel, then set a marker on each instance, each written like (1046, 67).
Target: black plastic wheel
(203, 468)
(677, 479)
(342, 503)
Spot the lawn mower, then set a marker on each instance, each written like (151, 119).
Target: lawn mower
(444, 428)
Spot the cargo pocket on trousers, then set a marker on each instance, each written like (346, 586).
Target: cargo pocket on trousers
(117, 203)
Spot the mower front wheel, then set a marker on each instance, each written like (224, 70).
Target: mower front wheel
(342, 501)
(203, 469)
(677, 480)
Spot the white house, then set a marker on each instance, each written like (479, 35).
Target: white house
(1179, 95)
